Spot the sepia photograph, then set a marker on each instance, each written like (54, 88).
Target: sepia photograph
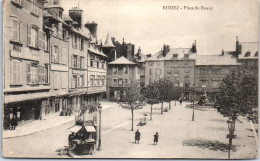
(130, 79)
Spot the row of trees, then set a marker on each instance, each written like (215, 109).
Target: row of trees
(135, 98)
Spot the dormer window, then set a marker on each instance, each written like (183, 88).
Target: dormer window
(186, 56)
(175, 56)
(256, 54)
(247, 54)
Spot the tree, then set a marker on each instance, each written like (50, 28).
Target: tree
(151, 95)
(238, 95)
(164, 88)
(132, 99)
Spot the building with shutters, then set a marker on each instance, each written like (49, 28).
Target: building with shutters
(26, 62)
(52, 62)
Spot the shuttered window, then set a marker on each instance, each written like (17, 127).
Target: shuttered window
(15, 72)
(16, 27)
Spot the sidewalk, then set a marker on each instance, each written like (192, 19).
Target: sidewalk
(40, 125)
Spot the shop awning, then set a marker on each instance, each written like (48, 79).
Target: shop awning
(75, 128)
(90, 128)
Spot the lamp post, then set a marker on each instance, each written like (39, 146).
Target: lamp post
(193, 109)
(99, 141)
(231, 128)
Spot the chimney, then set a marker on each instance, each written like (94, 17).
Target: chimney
(92, 26)
(76, 15)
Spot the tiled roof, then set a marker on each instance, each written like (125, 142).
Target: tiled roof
(96, 51)
(216, 60)
(249, 50)
(180, 52)
(108, 42)
(122, 60)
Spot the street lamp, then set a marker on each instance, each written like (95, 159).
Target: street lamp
(231, 128)
(99, 142)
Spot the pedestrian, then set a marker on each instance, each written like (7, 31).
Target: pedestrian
(156, 137)
(13, 122)
(180, 100)
(137, 136)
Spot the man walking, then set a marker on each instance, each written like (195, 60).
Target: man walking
(137, 136)
(156, 137)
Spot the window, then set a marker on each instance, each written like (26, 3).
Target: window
(55, 54)
(55, 31)
(81, 62)
(126, 70)
(35, 7)
(187, 74)
(102, 64)
(114, 70)
(103, 80)
(74, 81)
(45, 75)
(204, 83)
(16, 29)
(175, 56)
(81, 44)
(74, 41)
(151, 63)
(120, 81)
(97, 60)
(44, 42)
(247, 54)
(151, 71)
(157, 71)
(176, 83)
(169, 72)
(34, 37)
(92, 79)
(64, 35)
(55, 2)
(187, 84)
(215, 84)
(186, 56)
(91, 61)
(98, 80)
(16, 73)
(125, 82)
(256, 54)
(32, 74)
(176, 73)
(81, 81)
(75, 61)
(114, 82)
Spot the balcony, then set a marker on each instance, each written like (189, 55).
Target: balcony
(25, 55)
(96, 89)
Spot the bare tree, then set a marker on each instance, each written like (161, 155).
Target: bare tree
(151, 95)
(132, 99)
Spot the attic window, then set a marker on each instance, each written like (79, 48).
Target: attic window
(186, 56)
(247, 54)
(175, 56)
(256, 54)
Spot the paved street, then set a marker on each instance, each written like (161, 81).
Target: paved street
(174, 127)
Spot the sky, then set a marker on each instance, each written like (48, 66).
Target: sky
(146, 24)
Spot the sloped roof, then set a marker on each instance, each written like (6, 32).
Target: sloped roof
(96, 51)
(216, 60)
(180, 52)
(122, 60)
(108, 42)
(249, 50)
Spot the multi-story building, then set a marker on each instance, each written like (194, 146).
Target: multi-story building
(210, 70)
(58, 49)
(52, 62)
(26, 62)
(247, 53)
(120, 74)
(177, 66)
(140, 59)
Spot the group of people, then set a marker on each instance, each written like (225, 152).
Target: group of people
(10, 124)
(138, 136)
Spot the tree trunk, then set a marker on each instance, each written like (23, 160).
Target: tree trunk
(162, 108)
(151, 115)
(169, 105)
(132, 110)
